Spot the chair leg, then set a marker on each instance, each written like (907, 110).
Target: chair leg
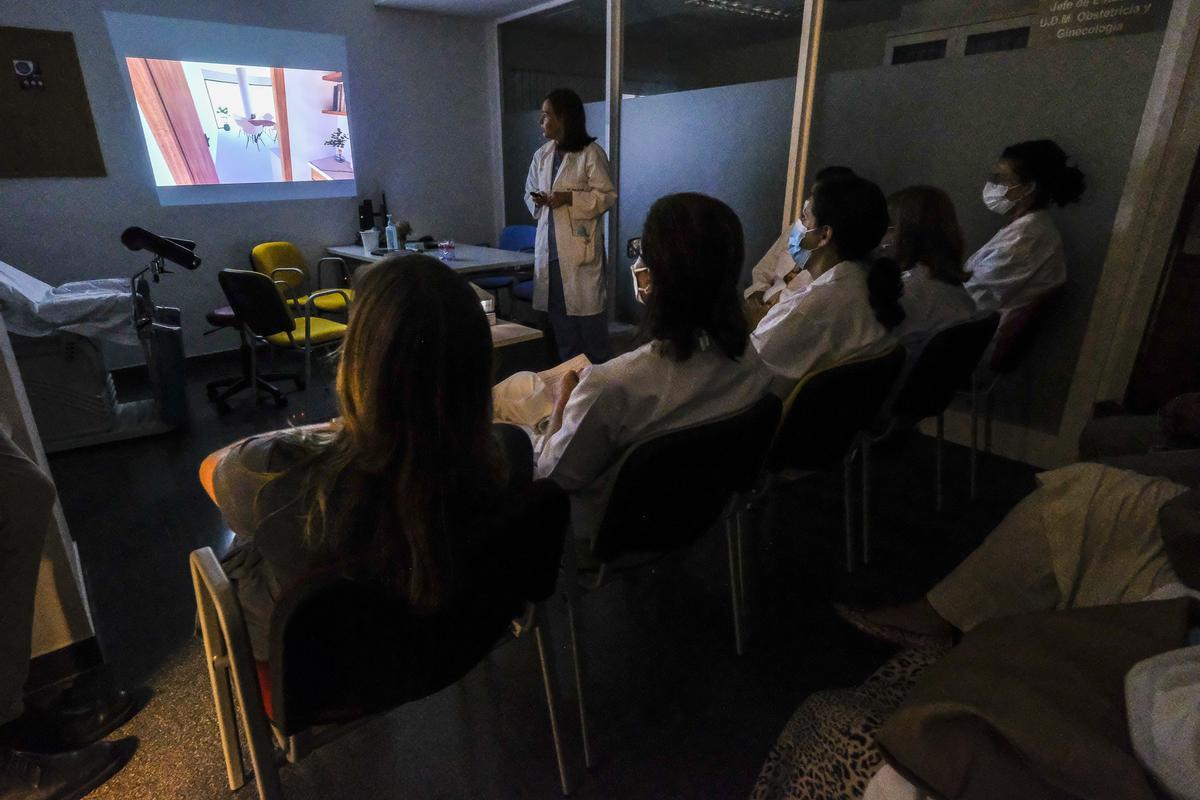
(941, 440)
(558, 750)
(974, 435)
(307, 378)
(737, 519)
(987, 418)
(847, 481)
(217, 660)
(866, 498)
(583, 727)
(734, 591)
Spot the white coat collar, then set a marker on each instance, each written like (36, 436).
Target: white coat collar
(838, 272)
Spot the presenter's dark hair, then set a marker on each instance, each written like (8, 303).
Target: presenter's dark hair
(856, 212)
(694, 248)
(1045, 163)
(568, 107)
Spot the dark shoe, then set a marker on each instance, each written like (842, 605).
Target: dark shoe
(67, 776)
(890, 633)
(73, 720)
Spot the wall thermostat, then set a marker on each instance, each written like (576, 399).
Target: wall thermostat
(28, 73)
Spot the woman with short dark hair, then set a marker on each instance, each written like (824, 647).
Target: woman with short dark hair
(925, 240)
(1024, 260)
(853, 303)
(695, 366)
(568, 189)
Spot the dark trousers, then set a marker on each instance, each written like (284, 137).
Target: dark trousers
(575, 335)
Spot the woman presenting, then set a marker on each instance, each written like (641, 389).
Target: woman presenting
(567, 191)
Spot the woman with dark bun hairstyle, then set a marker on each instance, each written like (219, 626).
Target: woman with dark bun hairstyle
(853, 303)
(1024, 260)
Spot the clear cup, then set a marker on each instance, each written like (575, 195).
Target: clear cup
(370, 239)
(446, 250)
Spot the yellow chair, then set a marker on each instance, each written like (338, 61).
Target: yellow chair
(281, 261)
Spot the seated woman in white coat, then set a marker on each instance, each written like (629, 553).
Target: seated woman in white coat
(778, 271)
(926, 242)
(1024, 261)
(568, 189)
(853, 303)
(696, 366)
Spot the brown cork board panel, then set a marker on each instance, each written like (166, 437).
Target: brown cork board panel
(47, 132)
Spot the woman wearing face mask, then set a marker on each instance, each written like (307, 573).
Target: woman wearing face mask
(696, 366)
(925, 240)
(567, 191)
(777, 271)
(1024, 260)
(853, 302)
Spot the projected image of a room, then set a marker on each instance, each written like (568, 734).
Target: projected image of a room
(209, 123)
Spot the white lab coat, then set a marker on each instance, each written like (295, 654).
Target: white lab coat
(826, 323)
(578, 233)
(631, 397)
(771, 269)
(1022, 262)
(929, 305)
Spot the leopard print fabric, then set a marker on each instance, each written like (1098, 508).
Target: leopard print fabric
(827, 749)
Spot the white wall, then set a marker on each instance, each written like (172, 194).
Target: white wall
(421, 134)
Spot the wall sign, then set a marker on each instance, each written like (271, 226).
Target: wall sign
(1071, 20)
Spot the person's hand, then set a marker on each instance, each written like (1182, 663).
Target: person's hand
(539, 199)
(559, 199)
(566, 385)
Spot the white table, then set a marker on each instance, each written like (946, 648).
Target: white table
(506, 333)
(469, 259)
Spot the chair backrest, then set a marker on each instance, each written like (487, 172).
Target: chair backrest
(672, 487)
(269, 116)
(942, 367)
(270, 256)
(1018, 330)
(344, 646)
(255, 301)
(520, 238)
(828, 409)
(246, 125)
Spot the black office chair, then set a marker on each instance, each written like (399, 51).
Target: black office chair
(220, 390)
(260, 307)
(344, 648)
(945, 363)
(822, 421)
(669, 491)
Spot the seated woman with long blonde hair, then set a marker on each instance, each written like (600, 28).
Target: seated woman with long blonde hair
(408, 485)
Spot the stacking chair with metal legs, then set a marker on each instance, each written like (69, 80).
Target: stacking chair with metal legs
(263, 312)
(823, 418)
(946, 362)
(345, 650)
(669, 491)
(1013, 341)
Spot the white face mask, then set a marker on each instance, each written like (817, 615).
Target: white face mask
(995, 197)
(800, 254)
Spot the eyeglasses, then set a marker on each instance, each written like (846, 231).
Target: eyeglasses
(633, 248)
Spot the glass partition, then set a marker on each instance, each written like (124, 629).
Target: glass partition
(564, 46)
(707, 97)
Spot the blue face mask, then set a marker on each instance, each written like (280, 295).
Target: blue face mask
(800, 254)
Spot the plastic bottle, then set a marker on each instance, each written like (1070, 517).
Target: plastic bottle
(393, 242)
